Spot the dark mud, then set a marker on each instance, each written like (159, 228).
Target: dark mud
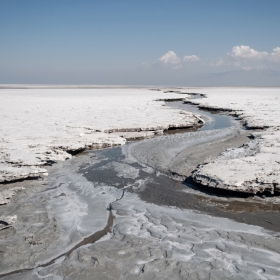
(87, 240)
(162, 190)
(244, 210)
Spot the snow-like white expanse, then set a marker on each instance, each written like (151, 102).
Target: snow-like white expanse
(39, 126)
(148, 241)
(258, 107)
(43, 125)
(255, 167)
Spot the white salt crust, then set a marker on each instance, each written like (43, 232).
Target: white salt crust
(256, 166)
(40, 126)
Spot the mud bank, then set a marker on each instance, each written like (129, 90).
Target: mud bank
(158, 240)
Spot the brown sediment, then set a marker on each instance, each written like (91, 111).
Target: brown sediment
(175, 130)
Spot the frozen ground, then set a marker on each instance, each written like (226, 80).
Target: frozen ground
(256, 166)
(41, 126)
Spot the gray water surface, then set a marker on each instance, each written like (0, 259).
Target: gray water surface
(212, 120)
(113, 168)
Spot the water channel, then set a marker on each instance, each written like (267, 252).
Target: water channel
(158, 171)
(153, 185)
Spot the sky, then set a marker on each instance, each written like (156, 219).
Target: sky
(147, 42)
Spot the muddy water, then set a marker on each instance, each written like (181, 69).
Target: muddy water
(154, 187)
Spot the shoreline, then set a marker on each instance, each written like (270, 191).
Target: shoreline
(135, 135)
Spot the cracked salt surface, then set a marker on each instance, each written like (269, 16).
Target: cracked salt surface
(54, 222)
(155, 242)
(75, 119)
(148, 241)
(257, 108)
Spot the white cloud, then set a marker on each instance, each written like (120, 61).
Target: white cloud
(242, 51)
(247, 68)
(240, 57)
(170, 57)
(275, 55)
(178, 66)
(191, 58)
(218, 62)
(276, 51)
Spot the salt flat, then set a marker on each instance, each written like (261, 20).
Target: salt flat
(147, 241)
(150, 242)
(49, 217)
(256, 166)
(40, 126)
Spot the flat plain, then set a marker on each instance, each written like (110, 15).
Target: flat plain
(104, 207)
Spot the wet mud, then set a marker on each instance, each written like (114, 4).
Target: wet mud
(162, 190)
(244, 210)
(87, 240)
(186, 194)
(112, 169)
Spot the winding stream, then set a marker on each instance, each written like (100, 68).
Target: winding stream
(115, 169)
(157, 171)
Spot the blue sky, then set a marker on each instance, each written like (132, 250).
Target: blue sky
(140, 42)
